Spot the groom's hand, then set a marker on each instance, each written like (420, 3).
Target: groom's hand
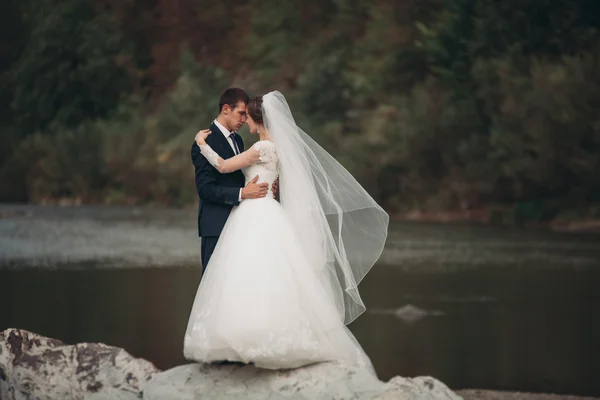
(255, 190)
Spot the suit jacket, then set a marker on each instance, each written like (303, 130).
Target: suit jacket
(218, 192)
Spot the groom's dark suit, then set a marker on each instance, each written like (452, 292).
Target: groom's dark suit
(218, 192)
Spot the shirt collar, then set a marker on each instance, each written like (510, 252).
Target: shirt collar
(223, 130)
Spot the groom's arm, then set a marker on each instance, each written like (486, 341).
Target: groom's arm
(206, 182)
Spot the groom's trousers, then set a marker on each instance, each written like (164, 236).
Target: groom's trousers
(206, 250)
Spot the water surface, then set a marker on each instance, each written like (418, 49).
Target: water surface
(495, 308)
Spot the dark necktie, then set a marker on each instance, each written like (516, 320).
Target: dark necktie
(235, 145)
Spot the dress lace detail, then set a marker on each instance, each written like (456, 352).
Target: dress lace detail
(267, 166)
(268, 155)
(296, 343)
(210, 155)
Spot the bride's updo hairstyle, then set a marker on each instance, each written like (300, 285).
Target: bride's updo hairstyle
(255, 110)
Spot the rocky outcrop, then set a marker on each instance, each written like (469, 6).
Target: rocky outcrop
(36, 367)
(323, 381)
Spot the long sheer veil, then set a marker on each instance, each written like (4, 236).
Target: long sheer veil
(341, 228)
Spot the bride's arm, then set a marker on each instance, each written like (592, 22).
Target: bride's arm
(243, 160)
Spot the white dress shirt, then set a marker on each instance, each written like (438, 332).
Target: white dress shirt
(229, 139)
(227, 134)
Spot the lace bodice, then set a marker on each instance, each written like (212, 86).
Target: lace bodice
(261, 159)
(267, 168)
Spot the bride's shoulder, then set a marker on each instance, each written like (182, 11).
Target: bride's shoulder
(266, 150)
(264, 145)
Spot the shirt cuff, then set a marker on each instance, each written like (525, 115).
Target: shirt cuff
(240, 196)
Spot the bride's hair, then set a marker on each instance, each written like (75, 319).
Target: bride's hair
(255, 109)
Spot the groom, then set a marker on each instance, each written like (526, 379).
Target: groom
(220, 192)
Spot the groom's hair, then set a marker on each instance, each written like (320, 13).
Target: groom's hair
(232, 97)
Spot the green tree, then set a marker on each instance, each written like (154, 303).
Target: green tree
(73, 67)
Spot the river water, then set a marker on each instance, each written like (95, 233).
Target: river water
(474, 306)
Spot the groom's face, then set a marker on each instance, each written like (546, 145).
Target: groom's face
(236, 117)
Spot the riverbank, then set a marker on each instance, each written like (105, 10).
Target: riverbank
(58, 236)
(494, 217)
(497, 216)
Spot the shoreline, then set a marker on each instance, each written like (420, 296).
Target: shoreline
(482, 216)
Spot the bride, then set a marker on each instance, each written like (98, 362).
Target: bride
(282, 282)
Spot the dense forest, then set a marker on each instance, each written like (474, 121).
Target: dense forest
(434, 105)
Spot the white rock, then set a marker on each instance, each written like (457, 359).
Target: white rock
(36, 367)
(316, 382)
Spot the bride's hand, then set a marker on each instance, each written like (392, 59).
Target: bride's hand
(201, 136)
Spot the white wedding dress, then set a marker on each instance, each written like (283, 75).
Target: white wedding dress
(260, 300)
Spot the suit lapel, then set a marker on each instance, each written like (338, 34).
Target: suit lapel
(223, 148)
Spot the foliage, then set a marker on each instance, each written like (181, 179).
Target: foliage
(73, 67)
(433, 105)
